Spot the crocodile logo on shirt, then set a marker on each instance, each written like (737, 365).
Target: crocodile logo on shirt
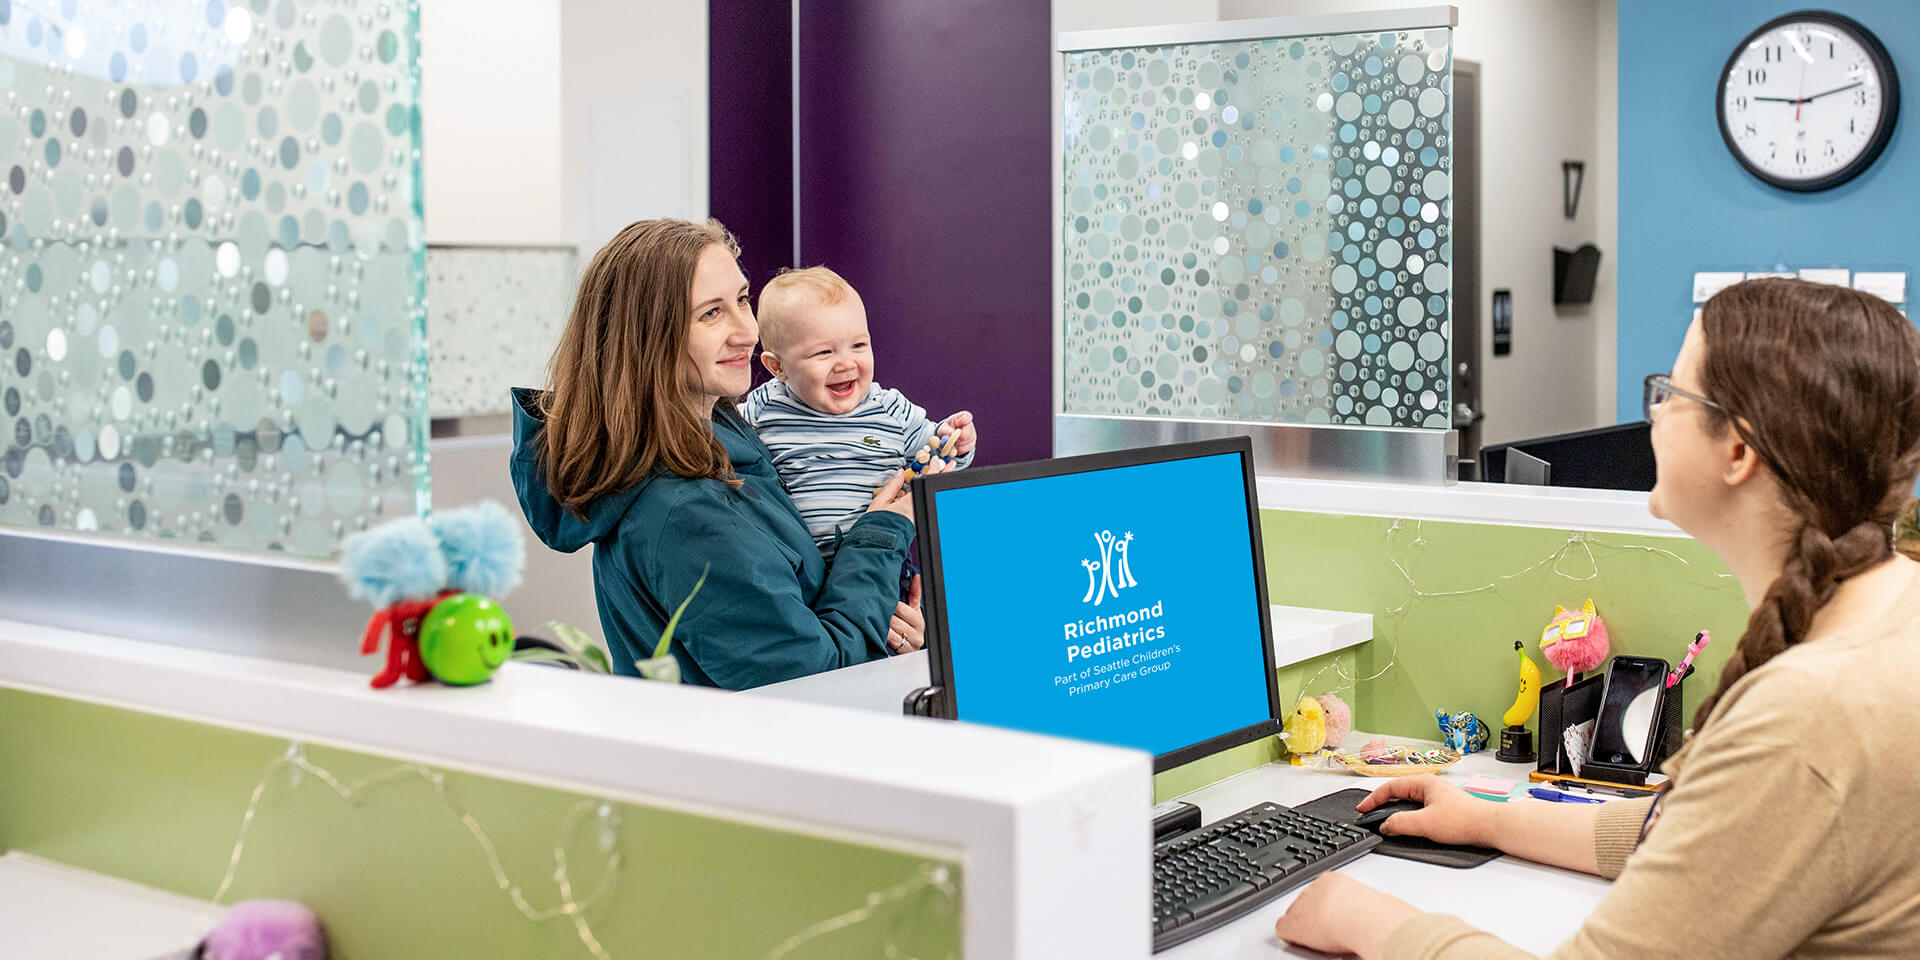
(871, 441)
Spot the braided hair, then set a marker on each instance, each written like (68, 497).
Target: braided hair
(1824, 383)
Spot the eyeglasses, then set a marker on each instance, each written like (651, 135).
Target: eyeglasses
(1660, 391)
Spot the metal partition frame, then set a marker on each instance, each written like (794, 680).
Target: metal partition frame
(1403, 454)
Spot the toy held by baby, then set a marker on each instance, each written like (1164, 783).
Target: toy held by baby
(1575, 641)
(943, 449)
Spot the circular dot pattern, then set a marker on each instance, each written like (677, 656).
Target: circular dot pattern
(174, 213)
(1260, 230)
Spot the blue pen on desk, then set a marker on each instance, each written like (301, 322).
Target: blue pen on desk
(1558, 797)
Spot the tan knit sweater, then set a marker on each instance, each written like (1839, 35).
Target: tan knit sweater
(1792, 828)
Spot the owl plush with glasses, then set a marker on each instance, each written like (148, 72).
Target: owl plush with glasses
(1575, 641)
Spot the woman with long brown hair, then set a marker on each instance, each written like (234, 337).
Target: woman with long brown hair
(1787, 438)
(635, 447)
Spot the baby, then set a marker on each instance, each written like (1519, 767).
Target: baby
(835, 435)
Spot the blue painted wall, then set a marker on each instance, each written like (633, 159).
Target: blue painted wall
(1686, 205)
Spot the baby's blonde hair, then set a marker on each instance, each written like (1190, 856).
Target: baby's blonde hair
(781, 294)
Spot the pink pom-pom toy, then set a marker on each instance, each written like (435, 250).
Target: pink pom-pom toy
(1576, 641)
(261, 929)
(1339, 719)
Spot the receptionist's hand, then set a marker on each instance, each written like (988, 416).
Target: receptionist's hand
(1337, 914)
(908, 631)
(1448, 814)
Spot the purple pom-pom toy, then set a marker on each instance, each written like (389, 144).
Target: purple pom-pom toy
(261, 929)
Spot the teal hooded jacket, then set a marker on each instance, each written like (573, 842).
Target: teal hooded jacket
(771, 608)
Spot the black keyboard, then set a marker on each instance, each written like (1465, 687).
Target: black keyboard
(1208, 877)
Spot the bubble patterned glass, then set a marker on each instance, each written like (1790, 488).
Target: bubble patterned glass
(1260, 230)
(212, 269)
(494, 315)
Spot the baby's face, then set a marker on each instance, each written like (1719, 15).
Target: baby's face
(827, 359)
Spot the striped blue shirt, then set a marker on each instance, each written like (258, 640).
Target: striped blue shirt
(832, 463)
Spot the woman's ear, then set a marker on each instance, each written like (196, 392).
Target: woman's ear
(771, 362)
(1743, 460)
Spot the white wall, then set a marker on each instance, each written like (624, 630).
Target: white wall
(1604, 194)
(633, 81)
(1111, 14)
(560, 121)
(490, 120)
(1542, 101)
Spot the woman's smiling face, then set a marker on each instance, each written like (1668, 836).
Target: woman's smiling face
(722, 333)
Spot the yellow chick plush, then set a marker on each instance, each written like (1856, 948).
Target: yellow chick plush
(1307, 728)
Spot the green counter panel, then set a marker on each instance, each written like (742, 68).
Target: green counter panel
(1453, 647)
(397, 875)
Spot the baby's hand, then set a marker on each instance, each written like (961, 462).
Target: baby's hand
(961, 423)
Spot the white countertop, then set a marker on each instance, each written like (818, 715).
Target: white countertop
(1037, 820)
(50, 911)
(1503, 896)
(1299, 634)
(1508, 504)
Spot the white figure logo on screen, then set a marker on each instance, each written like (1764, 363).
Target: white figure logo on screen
(1110, 574)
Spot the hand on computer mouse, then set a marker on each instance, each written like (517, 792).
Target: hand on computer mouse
(1447, 814)
(1376, 819)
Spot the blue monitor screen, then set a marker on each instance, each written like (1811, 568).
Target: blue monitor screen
(1115, 605)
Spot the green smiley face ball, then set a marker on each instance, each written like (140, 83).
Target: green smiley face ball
(465, 638)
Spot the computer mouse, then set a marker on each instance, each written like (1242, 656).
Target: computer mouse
(1372, 819)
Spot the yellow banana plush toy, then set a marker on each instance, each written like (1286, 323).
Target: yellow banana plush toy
(1529, 696)
(1516, 741)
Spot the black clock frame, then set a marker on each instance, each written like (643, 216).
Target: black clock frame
(1889, 101)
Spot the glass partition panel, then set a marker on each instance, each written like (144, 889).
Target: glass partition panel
(212, 270)
(494, 315)
(1259, 230)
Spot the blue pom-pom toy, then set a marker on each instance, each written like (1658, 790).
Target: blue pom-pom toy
(393, 562)
(483, 549)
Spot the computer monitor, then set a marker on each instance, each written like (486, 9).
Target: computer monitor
(1608, 458)
(1117, 597)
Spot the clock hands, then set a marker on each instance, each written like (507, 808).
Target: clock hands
(1800, 100)
(1835, 90)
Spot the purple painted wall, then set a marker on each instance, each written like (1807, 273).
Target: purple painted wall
(924, 129)
(750, 129)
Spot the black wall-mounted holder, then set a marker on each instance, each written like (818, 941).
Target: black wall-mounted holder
(1502, 322)
(1573, 273)
(1573, 176)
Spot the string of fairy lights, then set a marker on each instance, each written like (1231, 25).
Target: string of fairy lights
(295, 765)
(1583, 543)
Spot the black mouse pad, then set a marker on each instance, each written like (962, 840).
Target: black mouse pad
(1338, 807)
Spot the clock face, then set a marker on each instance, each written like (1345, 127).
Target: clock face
(1808, 101)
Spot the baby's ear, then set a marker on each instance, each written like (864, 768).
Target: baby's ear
(771, 362)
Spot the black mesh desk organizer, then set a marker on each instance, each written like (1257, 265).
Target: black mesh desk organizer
(1562, 706)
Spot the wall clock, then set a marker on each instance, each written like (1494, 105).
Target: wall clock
(1808, 101)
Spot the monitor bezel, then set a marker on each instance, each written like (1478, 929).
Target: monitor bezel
(933, 594)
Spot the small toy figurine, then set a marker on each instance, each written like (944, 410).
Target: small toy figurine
(410, 567)
(399, 569)
(1462, 732)
(1516, 741)
(465, 638)
(1575, 642)
(263, 930)
(1307, 729)
(1339, 719)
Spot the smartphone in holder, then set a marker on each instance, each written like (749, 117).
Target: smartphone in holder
(1628, 725)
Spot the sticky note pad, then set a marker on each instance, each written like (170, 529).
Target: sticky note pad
(1491, 788)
